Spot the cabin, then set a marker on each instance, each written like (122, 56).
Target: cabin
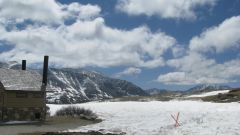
(22, 94)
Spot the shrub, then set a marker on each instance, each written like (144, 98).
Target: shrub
(74, 111)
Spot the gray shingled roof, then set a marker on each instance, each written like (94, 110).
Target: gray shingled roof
(20, 80)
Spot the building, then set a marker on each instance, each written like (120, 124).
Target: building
(22, 94)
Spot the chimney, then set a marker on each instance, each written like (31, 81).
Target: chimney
(24, 64)
(45, 71)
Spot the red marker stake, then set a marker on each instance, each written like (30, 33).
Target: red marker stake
(176, 119)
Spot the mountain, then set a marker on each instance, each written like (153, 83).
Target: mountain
(155, 91)
(69, 85)
(207, 88)
(162, 92)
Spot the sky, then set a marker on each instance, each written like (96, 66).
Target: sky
(166, 44)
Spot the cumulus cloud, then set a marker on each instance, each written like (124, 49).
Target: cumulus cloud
(27, 9)
(176, 9)
(178, 51)
(153, 63)
(182, 78)
(76, 10)
(131, 71)
(88, 41)
(195, 68)
(174, 78)
(218, 38)
(41, 11)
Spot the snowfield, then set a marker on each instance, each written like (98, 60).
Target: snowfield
(154, 118)
(212, 93)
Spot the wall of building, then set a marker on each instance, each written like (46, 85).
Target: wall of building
(23, 114)
(22, 105)
(24, 99)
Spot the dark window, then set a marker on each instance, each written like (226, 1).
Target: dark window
(37, 116)
(21, 95)
(37, 95)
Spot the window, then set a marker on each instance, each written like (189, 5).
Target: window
(37, 95)
(21, 95)
(37, 116)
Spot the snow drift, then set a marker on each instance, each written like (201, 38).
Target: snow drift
(212, 93)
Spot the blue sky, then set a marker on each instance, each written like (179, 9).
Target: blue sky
(163, 43)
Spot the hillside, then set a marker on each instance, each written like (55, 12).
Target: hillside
(231, 96)
(156, 91)
(207, 88)
(79, 85)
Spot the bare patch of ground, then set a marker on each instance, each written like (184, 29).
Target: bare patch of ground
(81, 133)
(73, 133)
(52, 124)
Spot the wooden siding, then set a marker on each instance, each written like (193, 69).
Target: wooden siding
(11, 99)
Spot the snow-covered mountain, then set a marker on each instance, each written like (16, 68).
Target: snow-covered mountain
(78, 85)
(68, 85)
(208, 87)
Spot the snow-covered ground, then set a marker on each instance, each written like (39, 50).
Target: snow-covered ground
(212, 93)
(154, 118)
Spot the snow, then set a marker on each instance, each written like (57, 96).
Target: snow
(154, 118)
(20, 80)
(212, 93)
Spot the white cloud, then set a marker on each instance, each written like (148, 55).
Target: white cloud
(76, 10)
(191, 62)
(153, 63)
(174, 78)
(86, 42)
(132, 71)
(194, 68)
(42, 11)
(37, 10)
(182, 78)
(178, 51)
(90, 43)
(218, 38)
(179, 9)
